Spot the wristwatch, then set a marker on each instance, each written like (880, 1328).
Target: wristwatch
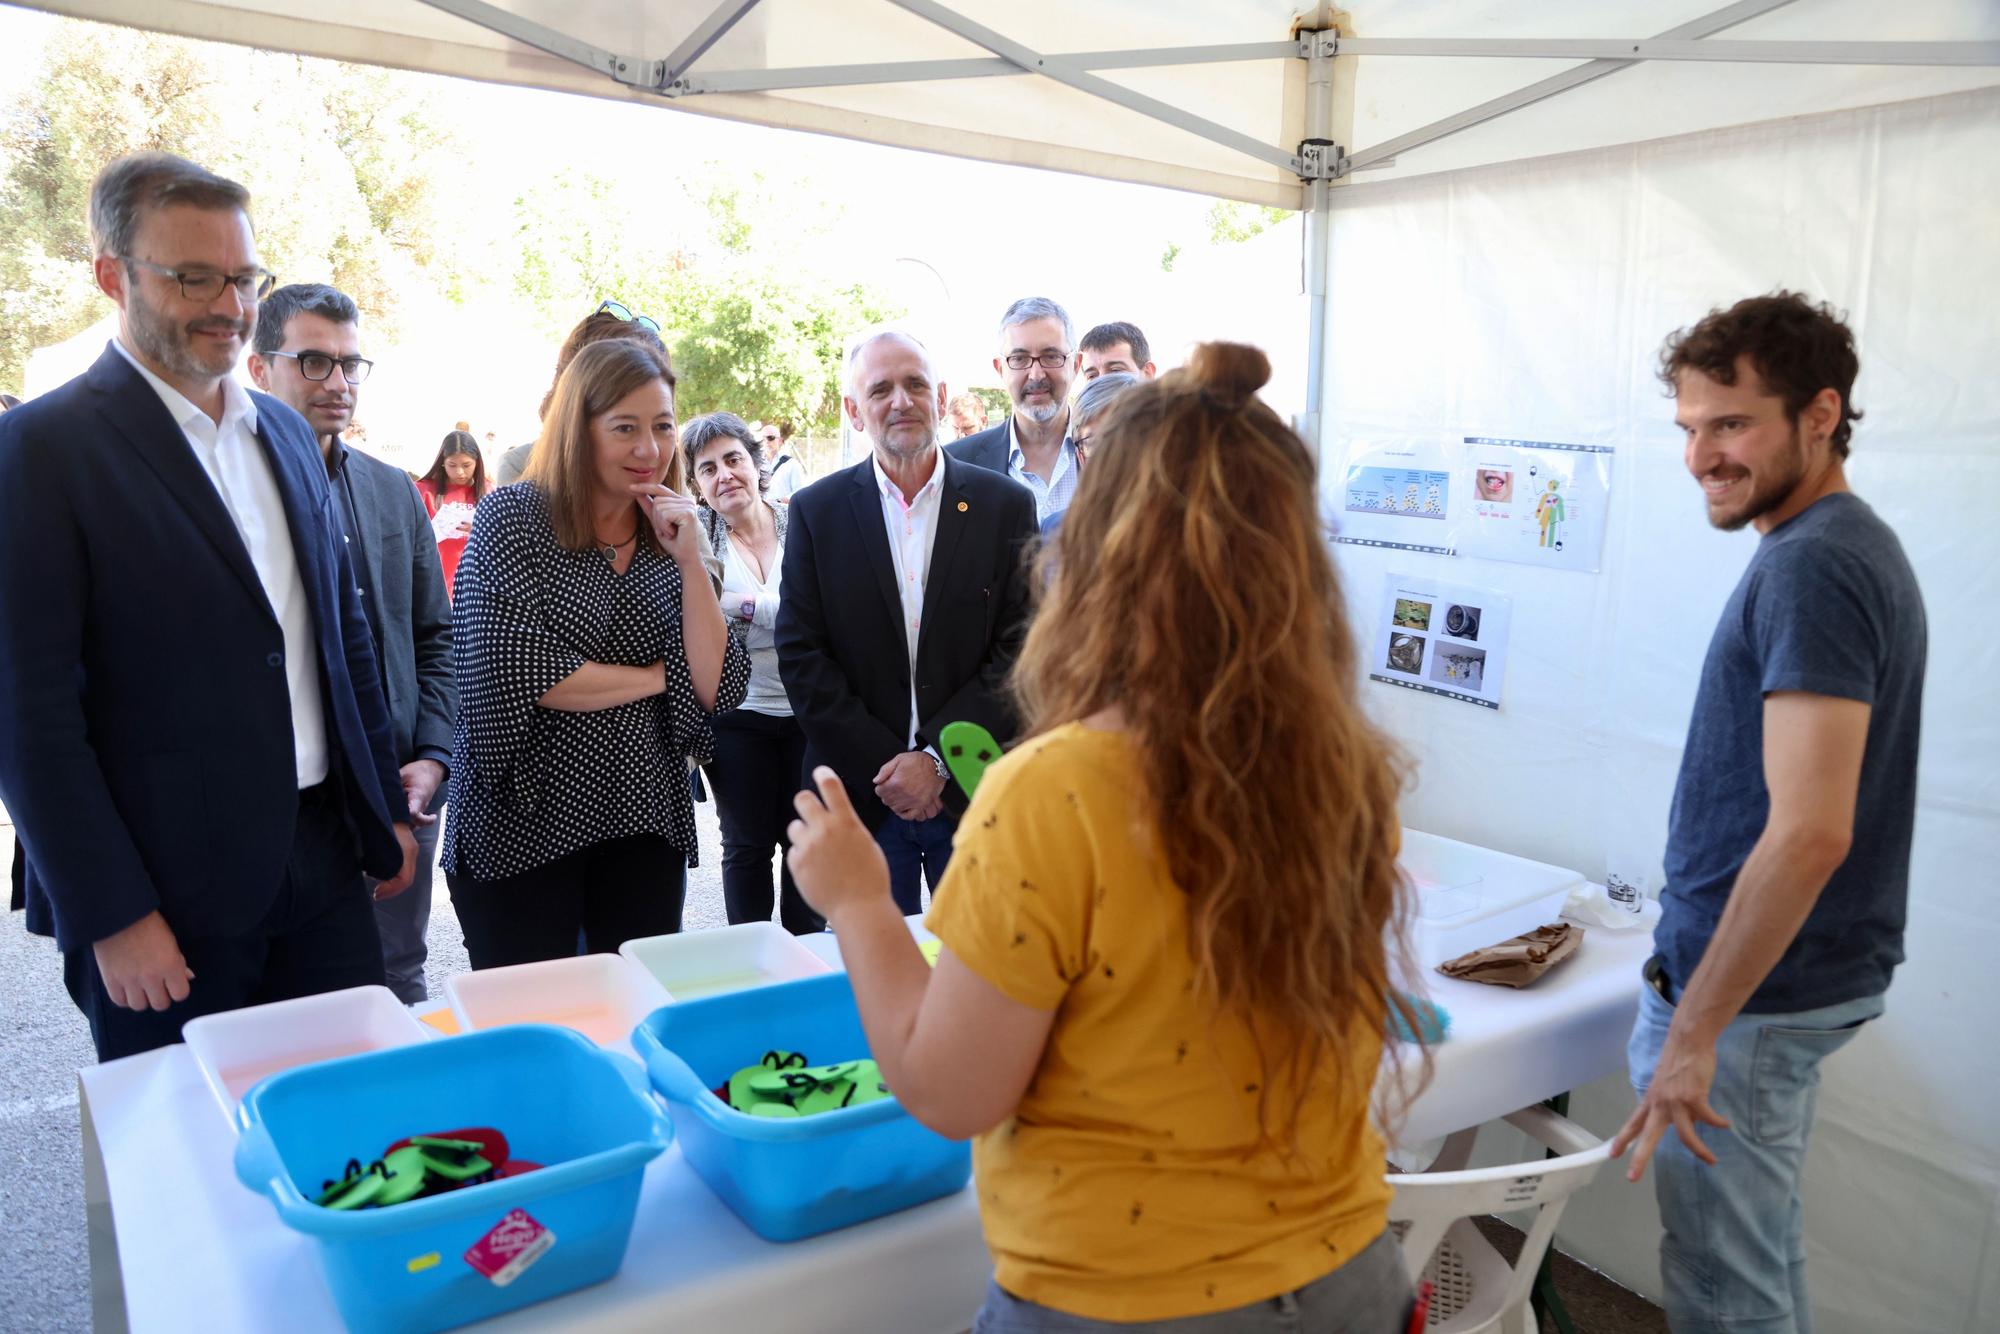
(943, 773)
(748, 611)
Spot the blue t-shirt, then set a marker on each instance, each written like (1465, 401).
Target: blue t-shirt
(1828, 607)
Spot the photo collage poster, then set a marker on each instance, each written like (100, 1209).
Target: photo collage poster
(1442, 639)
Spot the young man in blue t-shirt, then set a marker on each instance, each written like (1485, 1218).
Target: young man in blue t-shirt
(1788, 847)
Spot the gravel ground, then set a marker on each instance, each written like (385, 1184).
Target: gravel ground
(45, 1283)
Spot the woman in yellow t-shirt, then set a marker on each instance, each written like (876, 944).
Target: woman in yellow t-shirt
(1160, 1001)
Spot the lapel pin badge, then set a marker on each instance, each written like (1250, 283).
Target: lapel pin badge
(963, 507)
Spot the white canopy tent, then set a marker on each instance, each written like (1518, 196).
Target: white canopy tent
(1507, 206)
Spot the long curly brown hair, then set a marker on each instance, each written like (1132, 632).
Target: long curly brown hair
(1191, 588)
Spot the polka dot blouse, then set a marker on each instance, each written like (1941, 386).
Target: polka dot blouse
(530, 784)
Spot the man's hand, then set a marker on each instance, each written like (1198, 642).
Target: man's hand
(421, 780)
(910, 787)
(389, 889)
(142, 965)
(1676, 1100)
(833, 857)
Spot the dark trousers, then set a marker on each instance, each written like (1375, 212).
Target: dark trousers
(618, 890)
(759, 768)
(319, 935)
(917, 850)
(404, 921)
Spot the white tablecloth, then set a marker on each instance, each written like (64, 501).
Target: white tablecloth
(196, 1251)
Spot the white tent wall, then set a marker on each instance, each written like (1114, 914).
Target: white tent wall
(1529, 301)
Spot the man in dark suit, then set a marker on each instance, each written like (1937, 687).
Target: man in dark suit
(1032, 445)
(906, 601)
(193, 739)
(308, 355)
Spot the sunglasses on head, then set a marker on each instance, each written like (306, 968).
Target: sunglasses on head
(618, 311)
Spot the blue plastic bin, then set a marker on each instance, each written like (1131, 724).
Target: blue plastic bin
(790, 1178)
(586, 1114)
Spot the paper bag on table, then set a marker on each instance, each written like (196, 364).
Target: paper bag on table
(1517, 962)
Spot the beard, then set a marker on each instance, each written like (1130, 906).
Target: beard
(906, 440)
(1767, 492)
(173, 347)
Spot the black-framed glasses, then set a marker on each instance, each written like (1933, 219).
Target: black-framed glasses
(319, 365)
(1048, 361)
(618, 310)
(252, 286)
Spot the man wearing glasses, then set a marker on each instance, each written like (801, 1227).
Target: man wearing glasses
(781, 466)
(193, 738)
(1032, 446)
(308, 355)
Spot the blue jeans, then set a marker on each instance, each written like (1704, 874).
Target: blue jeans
(1370, 1294)
(917, 850)
(1733, 1258)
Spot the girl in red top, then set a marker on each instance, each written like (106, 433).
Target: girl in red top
(451, 490)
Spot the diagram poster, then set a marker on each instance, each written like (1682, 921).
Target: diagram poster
(1442, 639)
(1397, 496)
(1535, 502)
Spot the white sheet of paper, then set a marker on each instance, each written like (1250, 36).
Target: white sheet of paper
(1442, 639)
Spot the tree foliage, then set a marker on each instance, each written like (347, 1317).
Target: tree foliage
(374, 181)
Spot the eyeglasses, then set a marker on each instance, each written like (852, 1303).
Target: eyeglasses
(617, 311)
(1048, 361)
(772, 438)
(319, 365)
(252, 286)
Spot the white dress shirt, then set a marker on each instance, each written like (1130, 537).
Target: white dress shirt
(1051, 496)
(232, 456)
(912, 528)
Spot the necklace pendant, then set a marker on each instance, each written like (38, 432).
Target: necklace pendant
(610, 554)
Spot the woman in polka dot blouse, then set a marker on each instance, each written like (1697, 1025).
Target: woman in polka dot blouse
(591, 657)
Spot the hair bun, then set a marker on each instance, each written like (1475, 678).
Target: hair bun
(1229, 372)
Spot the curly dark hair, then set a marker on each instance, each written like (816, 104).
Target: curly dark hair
(1797, 346)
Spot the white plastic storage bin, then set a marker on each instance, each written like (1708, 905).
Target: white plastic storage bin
(601, 996)
(1470, 897)
(694, 964)
(238, 1048)
(826, 946)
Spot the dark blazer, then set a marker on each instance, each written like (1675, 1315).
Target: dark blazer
(841, 648)
(402, 594)
(145, 727)
(984, 449)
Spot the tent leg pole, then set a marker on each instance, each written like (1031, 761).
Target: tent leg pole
(1318, 228)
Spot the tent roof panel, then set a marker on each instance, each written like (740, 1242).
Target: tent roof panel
(1037, 121)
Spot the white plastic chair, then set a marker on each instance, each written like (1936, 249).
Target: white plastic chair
(1474, 1289)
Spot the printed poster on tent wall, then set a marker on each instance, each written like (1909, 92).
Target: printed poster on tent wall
(1396, 495)
(1441, 639)
(1533, 501)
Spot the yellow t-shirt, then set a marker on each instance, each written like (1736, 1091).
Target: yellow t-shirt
(1130, 1183)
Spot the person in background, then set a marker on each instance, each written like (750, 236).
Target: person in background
(968, 415)
(609, 320)
(759, 749)
(1788, 847)
(782, 470)
(592, 657)
(194, 745)
(1113, 348)
(1032, 446)
(1160, 1002)
(307, 354)
(906, 599)
(451, 492)
(1086, 415)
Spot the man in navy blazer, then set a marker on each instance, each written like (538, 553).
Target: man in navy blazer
(193, 739)
(906, 602)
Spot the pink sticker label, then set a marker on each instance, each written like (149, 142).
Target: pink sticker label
(505, 1253)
